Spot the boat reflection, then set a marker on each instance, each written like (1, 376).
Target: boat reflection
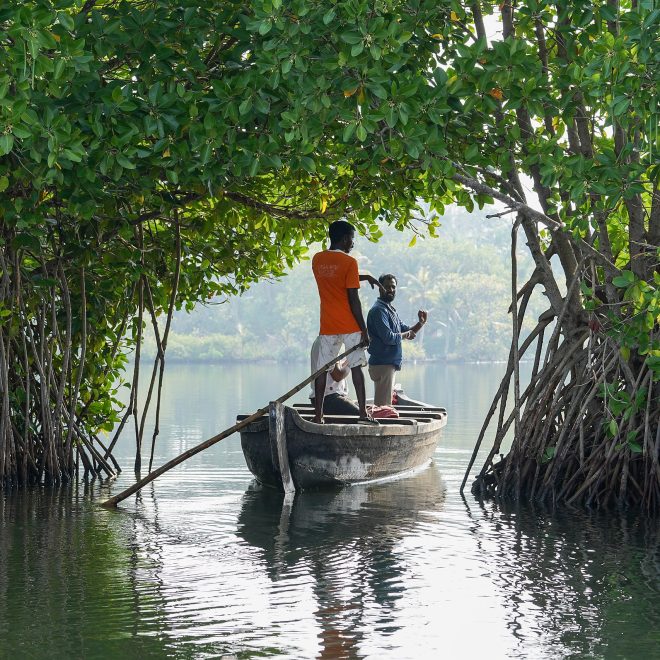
(348, 541)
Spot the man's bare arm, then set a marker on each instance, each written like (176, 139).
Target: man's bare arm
(373, 281)
(356, 308)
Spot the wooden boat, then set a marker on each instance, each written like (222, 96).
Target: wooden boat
(287, 450)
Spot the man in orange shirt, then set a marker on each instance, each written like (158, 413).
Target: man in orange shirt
(342, 322)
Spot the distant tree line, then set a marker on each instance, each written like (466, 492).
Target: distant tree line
(462, 277)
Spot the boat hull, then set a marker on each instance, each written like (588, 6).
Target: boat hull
(322, 455)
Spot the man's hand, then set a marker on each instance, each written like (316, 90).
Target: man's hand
(422, 315)
(373, 281)
(365, 338)
(340, 371)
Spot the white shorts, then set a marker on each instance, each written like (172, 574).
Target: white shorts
(329, 347)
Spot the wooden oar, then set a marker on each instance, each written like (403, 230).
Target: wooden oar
(113, 501)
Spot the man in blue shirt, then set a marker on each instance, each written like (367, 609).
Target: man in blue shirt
(386, 331)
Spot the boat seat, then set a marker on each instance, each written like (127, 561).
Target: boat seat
(353, 419)
(345, 419)
(425, 415)
(405, 407)
(400, 408)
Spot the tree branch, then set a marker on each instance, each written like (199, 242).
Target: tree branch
(87, 7)
(534, 215)
(526, 210)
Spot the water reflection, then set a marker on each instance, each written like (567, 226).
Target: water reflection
(347, 541)
(576, 582)
(202, 564)
(61, 565)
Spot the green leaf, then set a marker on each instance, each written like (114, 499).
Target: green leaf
(154, 93)
(4, 183)
(376, 52)
(44, 282)
(66, 21)
(377, 90)
(472, 152)
(391, 116)
(21, 132)
(351, 38)
(58, 69)
(549, 454)
(620, 106)
(6, 143)
(125, 162)
(329, 16)
(624, 280)
(205, 153)
(608, 13)
(349, 130)
(308, 164)
(262, 105)
(357, 49)
(454, 103)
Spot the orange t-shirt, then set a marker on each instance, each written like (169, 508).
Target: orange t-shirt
(335, 271)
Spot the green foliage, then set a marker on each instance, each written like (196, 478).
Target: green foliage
(641, 302)
(244, 127)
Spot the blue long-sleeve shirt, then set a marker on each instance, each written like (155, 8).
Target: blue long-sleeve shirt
(385, 328)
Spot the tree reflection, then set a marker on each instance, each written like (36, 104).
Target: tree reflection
(584, 584)
(68, 581)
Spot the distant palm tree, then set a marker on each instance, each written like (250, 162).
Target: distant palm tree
(422, 292)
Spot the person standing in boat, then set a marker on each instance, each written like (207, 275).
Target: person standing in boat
(386, 332)
(342, 322)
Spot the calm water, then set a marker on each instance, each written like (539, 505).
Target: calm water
(204, 563)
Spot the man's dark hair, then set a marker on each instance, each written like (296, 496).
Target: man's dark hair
(387, 276)
(338, 229)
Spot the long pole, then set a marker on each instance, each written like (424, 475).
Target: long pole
(138, 485)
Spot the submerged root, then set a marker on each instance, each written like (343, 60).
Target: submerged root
(45, 435)
(570, 447)
(586, 428)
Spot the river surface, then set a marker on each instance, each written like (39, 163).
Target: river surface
(205, 564)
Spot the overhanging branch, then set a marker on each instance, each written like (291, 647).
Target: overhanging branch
(534, 215)
(520, 207)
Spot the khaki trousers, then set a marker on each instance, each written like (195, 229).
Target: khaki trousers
(383, 377)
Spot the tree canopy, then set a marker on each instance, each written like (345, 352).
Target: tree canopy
(155, 153)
